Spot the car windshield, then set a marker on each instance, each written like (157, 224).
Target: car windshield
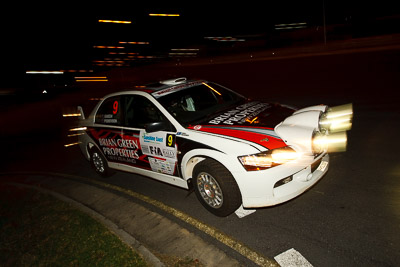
(195, 104)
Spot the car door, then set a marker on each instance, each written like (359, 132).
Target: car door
(106, 131)
(154, 146)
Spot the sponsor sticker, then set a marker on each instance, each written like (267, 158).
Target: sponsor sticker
(162, 166)
(240, 113)
(159, 144)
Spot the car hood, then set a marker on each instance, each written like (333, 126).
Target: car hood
(253, 121)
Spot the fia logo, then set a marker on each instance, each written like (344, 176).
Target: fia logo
(155, 151)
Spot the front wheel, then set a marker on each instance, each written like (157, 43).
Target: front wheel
(216, 188)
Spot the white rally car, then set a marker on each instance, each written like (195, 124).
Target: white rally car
(199, 135)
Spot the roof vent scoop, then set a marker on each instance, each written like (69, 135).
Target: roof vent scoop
(174, 81)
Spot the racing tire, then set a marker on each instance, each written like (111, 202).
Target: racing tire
(99, 163)
(216, 188)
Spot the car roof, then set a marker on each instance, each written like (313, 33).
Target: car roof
(168, 86)
(161, 88)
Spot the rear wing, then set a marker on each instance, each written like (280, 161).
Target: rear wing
(80, 111)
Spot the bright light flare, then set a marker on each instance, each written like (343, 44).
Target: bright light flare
(263, 161)
(338, 118)
(335, 142)
(283, 156)
(269, 159)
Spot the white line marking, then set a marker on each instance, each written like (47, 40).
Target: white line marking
(292, 258)
(241, 212)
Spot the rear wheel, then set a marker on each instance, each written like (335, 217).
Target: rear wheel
(216, 188)
(99, 163)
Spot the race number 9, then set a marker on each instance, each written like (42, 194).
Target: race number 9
(115, 107)
(170, 140)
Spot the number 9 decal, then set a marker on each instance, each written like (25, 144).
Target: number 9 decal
(170, 140)
(115, 107)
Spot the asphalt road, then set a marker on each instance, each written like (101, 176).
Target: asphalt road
(350, 218)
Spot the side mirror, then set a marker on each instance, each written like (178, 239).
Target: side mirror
(158, 126)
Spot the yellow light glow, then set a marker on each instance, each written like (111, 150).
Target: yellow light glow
(163, 15)
(72, 115)
(115, 21)
(283, 157)
(76, 134)
(93, 80)
(108, 46)
(141, 43)
(78, 129)
(104, 77)
(212, 88)
(72, 144)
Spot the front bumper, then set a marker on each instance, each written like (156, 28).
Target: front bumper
(282, 183)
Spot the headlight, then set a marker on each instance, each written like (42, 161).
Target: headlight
(268, 159)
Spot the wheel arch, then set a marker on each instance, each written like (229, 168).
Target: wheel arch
(194, 157)
(88, 147)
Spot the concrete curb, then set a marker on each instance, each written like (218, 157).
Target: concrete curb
(131, 221)
(123, 235)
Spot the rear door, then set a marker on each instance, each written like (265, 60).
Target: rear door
(107, 129)
(156, 151)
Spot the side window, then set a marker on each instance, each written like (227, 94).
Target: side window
(110, 112)
(140, 111)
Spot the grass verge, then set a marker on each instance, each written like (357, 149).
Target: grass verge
(38, 229)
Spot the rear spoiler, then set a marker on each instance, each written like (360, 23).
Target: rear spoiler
(80, 110)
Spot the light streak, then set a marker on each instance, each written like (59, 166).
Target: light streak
(212, 88)
(76, 134)
(163, 15)
(139, 43)
(91, 79)
(108, 46)
(72, 144)
(115, 21)
(72, 115)
(288, 26)
(44, 72)
(94, 80)
(78, 129)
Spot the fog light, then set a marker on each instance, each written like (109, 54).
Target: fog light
(283, 181)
